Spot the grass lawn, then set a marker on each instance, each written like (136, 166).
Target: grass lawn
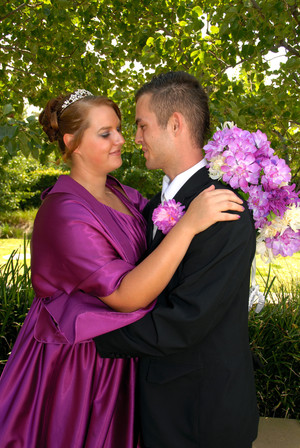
(284, 269)
(8, 245)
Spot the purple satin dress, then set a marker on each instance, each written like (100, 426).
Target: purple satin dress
(55, 391)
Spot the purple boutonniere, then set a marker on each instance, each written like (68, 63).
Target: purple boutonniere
(167, 214)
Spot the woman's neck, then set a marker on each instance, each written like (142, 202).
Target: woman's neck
(96, 185)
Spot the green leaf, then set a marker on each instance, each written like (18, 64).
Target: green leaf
(150, 41)
(24, 144)
(271, 216)
(197, 10)
(7, 109)
(34, 152)
(214, 29)
(8, 131)
(181, 11)
(12, 148)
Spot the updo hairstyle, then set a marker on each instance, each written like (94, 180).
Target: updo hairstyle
(72, 120)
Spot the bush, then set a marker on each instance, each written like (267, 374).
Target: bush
(133, 173)
(23, 181)
(16, 223)
(274, 336)
(40, 179)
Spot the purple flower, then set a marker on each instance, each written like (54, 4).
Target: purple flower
(286, 244)
(247, 162)
(216, 146)
(259, 203)
(262, 144)
(276, 172)
(167, 214)
(281, 198)
(241, 169)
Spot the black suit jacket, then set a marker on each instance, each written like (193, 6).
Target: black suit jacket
(196, 382)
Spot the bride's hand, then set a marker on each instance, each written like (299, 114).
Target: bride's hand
(210, 206)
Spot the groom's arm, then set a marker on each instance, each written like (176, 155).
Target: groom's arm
(213, 275)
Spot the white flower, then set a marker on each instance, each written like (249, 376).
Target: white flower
(215, 174)
(292, 217)
(215, 171)
(226, 124)
(262, 250)
(278, 225)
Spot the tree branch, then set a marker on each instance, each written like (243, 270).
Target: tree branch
(18, 8)
(12, 48)
(256, 6)
(14, 69)
(293, 10)
(289, 48)
(296, 79)
(12, 12)
(237, 63)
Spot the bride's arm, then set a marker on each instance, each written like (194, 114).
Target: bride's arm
(143, 284)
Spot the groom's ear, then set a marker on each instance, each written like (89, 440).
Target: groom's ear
(176, 123)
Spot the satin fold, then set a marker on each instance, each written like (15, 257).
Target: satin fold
(78, 317)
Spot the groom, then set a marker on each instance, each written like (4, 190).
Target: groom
(195, 381)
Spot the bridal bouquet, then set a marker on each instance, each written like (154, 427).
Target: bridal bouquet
(246, 162)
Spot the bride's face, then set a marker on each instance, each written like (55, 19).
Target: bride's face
(101, 144)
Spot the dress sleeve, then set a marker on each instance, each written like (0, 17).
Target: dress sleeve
(72, 250)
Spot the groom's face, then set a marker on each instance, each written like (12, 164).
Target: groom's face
(154, 139)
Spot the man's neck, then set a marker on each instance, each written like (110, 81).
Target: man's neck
(171, 187)
(182, 167)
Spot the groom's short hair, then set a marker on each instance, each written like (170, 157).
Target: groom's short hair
(179, 92)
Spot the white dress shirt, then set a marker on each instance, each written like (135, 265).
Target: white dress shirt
(169, 189)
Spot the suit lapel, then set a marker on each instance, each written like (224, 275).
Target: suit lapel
(152, 205)
(197, 183)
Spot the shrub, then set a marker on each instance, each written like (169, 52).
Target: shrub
(274, 336)
(133, 173)
(16, 295)
(23, 181)
(16, 223)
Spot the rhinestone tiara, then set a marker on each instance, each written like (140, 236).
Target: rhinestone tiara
(77, 95)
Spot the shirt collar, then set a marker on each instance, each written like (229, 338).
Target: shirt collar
(169, 189)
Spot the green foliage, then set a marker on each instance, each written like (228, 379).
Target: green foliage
(133, 173)
(23, 181)
(16, 295)
(274, 336)
(281, 271)
(16, 223)
(111, 48)
(6, 231)
(39, 180)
